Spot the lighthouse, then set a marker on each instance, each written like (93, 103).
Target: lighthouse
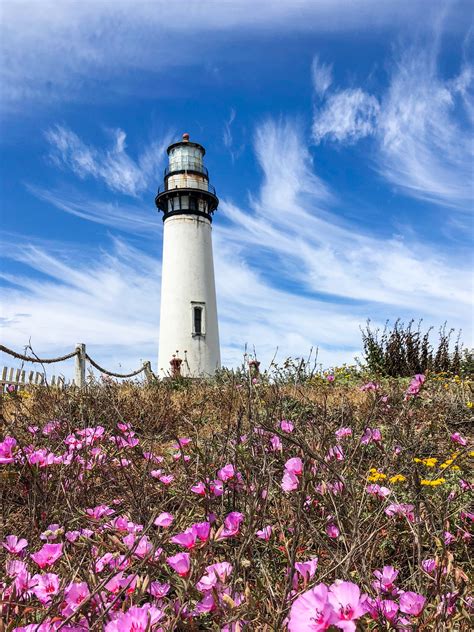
(188, 317)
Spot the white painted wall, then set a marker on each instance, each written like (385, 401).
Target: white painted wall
(187, 277)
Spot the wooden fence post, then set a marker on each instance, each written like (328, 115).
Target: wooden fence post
(80, 372)
(148, 372)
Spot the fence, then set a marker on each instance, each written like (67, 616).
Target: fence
(18, 379)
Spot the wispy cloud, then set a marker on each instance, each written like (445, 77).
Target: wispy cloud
(103, 40)
(113, 166)
(322, 76)
(421, 126)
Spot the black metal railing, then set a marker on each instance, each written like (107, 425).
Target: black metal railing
(186, 165)
(209, 189)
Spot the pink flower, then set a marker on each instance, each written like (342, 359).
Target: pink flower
(294, 465)
(99, 512)
(164, 520)
(429, 565)
(201, 530)
(336, 453)
(13, 544)
(181, 563)
(6, 450)
(412, 603)
(142, 549)
(158, 590)
(286, 425)
(378, 490)
(348, 605)
(290, 482)
(47, 555)
(75, 594)
(226, 473)
(415, 386)
(448, 538)
(221, 570)
(385, 608)
(231, 525)
(370, 386)
(332, 531)
(186, 538)
(199, 488)
(166, 479)
(385, 579)
(307, 569)
(343, 432)
(265, 533)
(276, 443)
(311, 611)
(181, 443)
(458, 438)
(401, 509)
(136, 619)
(371, 436)
(330, 378)
(46, 586)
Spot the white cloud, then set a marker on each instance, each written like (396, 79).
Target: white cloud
(113, 166)
(322, 76)
(422, 128)
(425, 146)
(347, 116)
(64, 50)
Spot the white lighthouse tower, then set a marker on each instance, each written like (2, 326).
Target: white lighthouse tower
(188, 319)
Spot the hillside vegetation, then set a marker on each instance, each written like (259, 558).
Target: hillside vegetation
(337, 501)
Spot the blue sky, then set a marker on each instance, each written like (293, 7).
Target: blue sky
(338, 136)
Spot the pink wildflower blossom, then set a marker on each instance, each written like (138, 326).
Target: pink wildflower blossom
(99, 512)
(385, 581)
(333, 531)
(164, 520)
(181, 563)
(371, 435)
(201, 530)
(276, 443)
(199, 488)
(45, 586)
(216, 487)
(166, 479)
(286, 425)
(370, 386)
(429, 565)
(6, 451)
(415, 386)
(343, 432)
(412, 603)
(330, 377)
(47, 555)
(401, 509)
(348, 604)
(378, 490)
(186, 538)
(289, 482)
(265, 533)
(76, 593)
(335, 453)
(294, 465)
(231, 525)
(14, 545)
(458, 438)
(158, 590)
(307, 569)
(311, 611)
(136, 619)
(226, 473)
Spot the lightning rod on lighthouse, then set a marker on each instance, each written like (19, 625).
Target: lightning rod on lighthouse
(188, 318)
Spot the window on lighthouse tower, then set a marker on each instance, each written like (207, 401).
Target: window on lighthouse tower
(198, 319)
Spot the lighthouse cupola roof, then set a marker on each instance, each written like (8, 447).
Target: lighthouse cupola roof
(186, 189)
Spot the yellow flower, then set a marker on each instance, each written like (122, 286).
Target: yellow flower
(470, 404)
(398, 478)
(471, 453)
(434, 483)
(375, 476)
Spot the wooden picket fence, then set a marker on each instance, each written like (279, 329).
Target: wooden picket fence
(18, 380)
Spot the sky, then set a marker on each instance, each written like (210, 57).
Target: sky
(338, 135)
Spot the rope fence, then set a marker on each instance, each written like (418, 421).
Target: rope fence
(81, 357)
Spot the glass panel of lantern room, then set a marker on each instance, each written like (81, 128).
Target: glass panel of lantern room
(185, 157)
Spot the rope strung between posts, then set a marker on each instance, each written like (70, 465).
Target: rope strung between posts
(102, 370)
(26, 358)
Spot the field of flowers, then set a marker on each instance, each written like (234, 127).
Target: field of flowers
(243, 504)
